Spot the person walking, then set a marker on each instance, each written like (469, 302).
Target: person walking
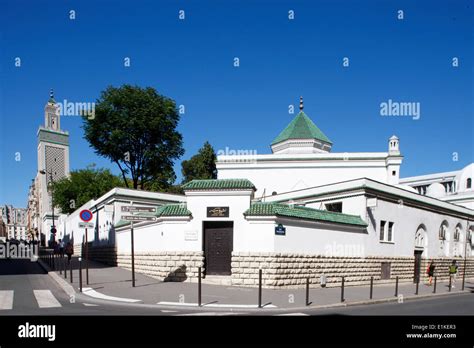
(69, 251)
(61, 248)
(453, 271)
(430, 271)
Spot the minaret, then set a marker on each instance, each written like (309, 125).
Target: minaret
(53, 160)
(394, 160)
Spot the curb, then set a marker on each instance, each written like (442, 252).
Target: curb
(67, 288)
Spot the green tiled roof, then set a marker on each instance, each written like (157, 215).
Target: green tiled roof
(219, 184)
(301, 128)
(173, 210)
(279, 209)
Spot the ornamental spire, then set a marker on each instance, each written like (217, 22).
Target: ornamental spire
(51, 96)
(301, 104)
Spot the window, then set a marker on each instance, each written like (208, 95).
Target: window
(457, 233)
(386, 231)
(335, 207)
(390, 232)
(442, 231)
(394, 173)
(469, 183)
(382, 229)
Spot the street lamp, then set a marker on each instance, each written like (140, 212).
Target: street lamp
(53, 228)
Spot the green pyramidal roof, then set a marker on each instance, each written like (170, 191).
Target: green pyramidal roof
(301, 128)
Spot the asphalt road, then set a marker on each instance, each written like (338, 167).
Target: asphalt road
(35, 293)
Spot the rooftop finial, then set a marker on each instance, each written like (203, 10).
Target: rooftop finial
(51, 96)
(301, 104)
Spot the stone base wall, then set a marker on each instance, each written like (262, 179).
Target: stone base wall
(176, 266)
(291, 270)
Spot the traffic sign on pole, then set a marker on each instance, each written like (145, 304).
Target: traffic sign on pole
(85, 215)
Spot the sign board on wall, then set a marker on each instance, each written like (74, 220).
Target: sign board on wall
(280, 230)
(137, 218)
(217, 211)
(191, 235)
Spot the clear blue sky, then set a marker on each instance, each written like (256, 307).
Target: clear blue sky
(191, 61)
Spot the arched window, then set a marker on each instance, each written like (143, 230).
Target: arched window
(457, 233)
(420, 237)
(469, 183)
(442, 230)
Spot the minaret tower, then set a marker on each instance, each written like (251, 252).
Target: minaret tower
(53, 161)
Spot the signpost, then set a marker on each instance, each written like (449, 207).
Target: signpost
(86, 216)
(136, 218)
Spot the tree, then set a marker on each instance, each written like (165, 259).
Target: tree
(135, 128)
(81, 186)
(200, 166)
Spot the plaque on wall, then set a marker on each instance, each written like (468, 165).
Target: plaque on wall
(217, 211)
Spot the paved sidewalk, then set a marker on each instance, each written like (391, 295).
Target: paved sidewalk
(117, 282)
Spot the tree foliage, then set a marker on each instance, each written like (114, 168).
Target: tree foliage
(200, 166)
(135, 128)
(82, 185)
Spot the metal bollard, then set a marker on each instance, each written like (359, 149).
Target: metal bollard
(60, 265)
(434, 287)
(417, 285)
(450, 284)
(199, 286)
(396, 287)
(65, 267)
(260, 288)
(80, 274)
(307, 291)
(70, 270)
(342, 290)
(371, 286)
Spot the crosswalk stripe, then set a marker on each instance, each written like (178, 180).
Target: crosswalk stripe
(6, 299)
(46, 299)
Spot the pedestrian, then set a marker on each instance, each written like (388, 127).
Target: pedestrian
(69, 251)
(453, 271)
(61, 248)
(430, 271)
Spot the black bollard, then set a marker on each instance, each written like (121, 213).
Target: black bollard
(342, 290)
(65, 267)
(450, 285)
(371, 287)
(434, 287)
(307, 291)
(396, 287)
(260, 288)
(70, 270)
(417, 285)
(80, 274)
(199, 287)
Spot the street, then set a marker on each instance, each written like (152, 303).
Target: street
(26, 289)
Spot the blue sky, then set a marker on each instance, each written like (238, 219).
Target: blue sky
(244, 108)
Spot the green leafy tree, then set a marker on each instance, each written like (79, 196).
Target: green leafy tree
(81, 186)
(135, 128)
(200, 166)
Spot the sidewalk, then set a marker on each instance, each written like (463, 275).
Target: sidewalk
(116, 282)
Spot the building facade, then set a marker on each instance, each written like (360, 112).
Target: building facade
(300, 212)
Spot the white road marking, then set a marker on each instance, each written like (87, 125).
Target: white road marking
(291, 314)
(90, 305)
(209, 314)
(92, 293)
(217, 305)
(6, 299)
(167, 311)
(46, 299)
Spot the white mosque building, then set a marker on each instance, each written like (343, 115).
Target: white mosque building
(300, 211)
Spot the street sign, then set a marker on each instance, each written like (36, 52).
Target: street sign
(280, 230)
(136, 218)
(85, 215)
(86, 225)
(137, 209)
(53, 230)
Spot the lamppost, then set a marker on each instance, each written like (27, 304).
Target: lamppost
(53, 228)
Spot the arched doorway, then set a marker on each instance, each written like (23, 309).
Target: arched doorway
(421, 243)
